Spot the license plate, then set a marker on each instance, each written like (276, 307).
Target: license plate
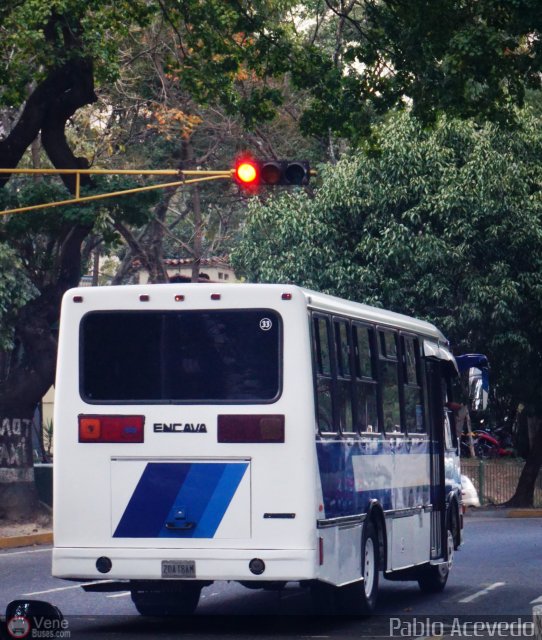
(178, 569)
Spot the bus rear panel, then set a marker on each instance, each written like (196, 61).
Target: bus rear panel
(178, 429)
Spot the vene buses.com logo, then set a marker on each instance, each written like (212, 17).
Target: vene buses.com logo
(18, 627)
(42, 627)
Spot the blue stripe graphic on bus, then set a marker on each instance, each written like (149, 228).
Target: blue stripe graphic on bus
(180, 500)
(354, 473)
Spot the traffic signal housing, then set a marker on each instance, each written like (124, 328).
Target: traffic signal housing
(254, 173)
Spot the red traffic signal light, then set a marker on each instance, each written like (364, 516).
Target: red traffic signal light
(247, 172)
(252, 173)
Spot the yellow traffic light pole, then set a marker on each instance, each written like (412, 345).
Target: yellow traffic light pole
(195, 176)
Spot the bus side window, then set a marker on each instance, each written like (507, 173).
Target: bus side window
(412, 386)
(365, 389)
(344, 375)
(389, 380)
(324, 380)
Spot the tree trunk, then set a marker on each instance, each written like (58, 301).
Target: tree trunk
(30, 375)
(53, 101)
(18, 495)
(524, 495)
(30, 369)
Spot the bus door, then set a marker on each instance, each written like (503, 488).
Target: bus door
(436, 400)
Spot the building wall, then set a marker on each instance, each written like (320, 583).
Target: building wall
(48, 404)
(220, 273)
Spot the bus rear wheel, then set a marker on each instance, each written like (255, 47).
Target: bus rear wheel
(175, 600)
(360, 598)
(433, 578)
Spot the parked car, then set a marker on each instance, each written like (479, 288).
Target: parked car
(469, 493)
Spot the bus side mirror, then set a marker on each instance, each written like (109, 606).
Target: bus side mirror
(37, 616)
(478, 381)
(474, 371)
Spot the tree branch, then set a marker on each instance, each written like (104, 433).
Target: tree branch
(67, 88)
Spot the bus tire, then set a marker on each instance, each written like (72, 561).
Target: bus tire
(360, 597)
(180, 601)
(433, 578)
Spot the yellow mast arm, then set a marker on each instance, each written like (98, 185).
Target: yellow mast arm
(195, 175)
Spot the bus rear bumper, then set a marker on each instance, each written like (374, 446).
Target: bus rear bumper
(210, 564)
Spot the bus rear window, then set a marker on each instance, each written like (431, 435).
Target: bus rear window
(222, 356)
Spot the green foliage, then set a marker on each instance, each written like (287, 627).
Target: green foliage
(36, 237)
(443, 224)
(355, 59)
(48, 437)
(359, 59)
(468, 59)
(37, 36)
(15, 291)
(221, 44)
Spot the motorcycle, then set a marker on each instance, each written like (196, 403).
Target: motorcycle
(488, 444)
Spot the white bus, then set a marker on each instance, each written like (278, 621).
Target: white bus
(254, 433)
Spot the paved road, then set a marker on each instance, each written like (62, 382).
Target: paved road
(497, 572)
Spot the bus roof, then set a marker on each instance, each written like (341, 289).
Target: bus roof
(333, 304)
(111, 297)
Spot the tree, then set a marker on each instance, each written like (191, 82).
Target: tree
(156, 122)
(467, 59)
(444, 224)
(50, 54)
(351, 60)
(54, 57)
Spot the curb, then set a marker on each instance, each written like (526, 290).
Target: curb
(26, 541)
(482, 512)
(525, 513)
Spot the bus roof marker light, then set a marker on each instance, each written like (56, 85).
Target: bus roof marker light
(144, 297)
(286, 296)
(179, 298)
(215, 296)
(78, 298)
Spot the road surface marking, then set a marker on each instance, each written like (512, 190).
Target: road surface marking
(120, 595)
(73, 586)
(537, 601)
(483, 592)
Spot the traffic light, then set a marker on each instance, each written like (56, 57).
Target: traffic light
(252, 173)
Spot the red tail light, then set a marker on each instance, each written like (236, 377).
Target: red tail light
(242, 428)
(111, 428)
